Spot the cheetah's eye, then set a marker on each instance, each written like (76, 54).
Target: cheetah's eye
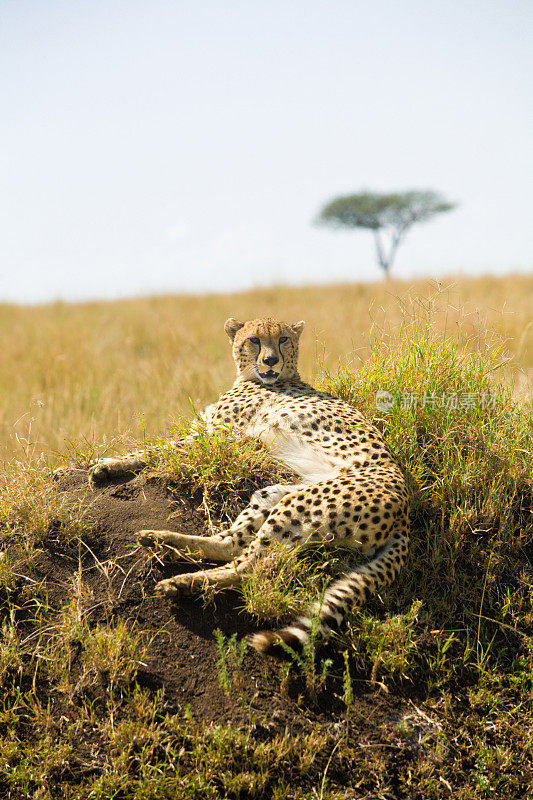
(255, 340)
(283, 339)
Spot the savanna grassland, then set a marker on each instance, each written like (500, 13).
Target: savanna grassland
(106, 692)
(96, 371)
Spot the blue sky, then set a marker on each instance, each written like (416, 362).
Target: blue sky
(162, 146)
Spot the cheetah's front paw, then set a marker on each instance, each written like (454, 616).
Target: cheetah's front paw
(106, 469)
(61, 473)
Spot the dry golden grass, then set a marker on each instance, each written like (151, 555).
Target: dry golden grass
(99, 370)
(449, 645)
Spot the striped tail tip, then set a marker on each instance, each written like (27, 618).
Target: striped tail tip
(276, 643)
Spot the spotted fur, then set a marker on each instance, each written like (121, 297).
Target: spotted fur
(352, 491)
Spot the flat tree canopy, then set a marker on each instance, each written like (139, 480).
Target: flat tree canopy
(388, 216)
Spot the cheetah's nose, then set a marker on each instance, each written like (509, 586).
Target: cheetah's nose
(271, 360)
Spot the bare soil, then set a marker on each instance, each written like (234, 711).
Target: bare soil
(182, 657)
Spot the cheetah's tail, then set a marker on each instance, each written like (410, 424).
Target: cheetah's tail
(350, 591)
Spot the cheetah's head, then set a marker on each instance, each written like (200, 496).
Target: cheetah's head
(264, 350)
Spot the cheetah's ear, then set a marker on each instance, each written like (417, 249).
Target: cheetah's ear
(298, 327)
(231, 326)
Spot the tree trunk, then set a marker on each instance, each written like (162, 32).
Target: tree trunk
(383, 261)
(386, 260)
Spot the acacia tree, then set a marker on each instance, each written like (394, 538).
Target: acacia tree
(388, 216)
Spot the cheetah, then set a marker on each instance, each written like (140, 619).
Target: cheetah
(352, 492)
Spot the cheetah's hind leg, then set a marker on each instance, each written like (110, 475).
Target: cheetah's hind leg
(224, 546)
(219, 578)
(174, 546)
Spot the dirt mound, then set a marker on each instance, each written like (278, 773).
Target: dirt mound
(284, 738)
(182, 654)
(182, 657)
(263, 701)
